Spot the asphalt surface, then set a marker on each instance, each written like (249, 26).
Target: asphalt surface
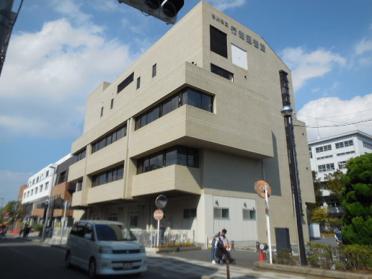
(242, 258)
(24, 259)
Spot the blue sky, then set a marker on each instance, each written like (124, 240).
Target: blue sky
(61, 50)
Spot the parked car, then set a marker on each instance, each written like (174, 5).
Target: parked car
(104, 248)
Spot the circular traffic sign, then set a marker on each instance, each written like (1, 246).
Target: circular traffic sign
(260, 187)
(158, 214)
(161, 201)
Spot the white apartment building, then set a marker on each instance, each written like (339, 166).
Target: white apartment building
(38, 190)
(330, 154)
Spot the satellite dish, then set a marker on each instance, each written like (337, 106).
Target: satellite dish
(161, 201)
(260, 187)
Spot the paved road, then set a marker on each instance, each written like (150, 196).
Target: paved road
(23, 259)
(242, 258)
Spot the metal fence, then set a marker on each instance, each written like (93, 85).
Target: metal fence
(166, 237)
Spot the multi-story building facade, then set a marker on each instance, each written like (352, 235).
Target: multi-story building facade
(39, 188)
(197, 118)
(35, 196)
(62, 194)
(331, 154)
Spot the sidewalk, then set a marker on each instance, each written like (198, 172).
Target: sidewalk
(173, 263)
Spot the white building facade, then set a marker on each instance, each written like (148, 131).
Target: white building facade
(329, 155)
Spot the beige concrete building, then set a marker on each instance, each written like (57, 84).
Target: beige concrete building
(197, 118)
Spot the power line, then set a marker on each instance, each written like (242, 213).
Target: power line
(336, 125)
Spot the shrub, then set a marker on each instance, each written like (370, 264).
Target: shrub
(37, 227)
(285, 257)
(320, 255)
(357, 256)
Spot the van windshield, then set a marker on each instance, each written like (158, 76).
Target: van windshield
(113, 233)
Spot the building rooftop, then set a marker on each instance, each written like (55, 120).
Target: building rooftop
(354, 132)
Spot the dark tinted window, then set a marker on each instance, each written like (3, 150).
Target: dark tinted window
(125, 82)
(112, 104)
(109, 138)
(154, 70)
(107, 176)
(187, 96)
(113, 233)
(171, 157)
(138, 82)
(218, 41)
(179, 155)
(170, 104)
(222, 72)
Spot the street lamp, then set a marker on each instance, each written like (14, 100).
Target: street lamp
(287, 113)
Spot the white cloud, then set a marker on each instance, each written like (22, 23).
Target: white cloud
(227, 4)
(365, 45)
(333, 111)
(70, 9)
(49, 73)
(309, 65)
(10, 181)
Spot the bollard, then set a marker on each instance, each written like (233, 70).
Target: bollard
(227, 269)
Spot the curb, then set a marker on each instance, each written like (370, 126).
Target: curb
(311, 271)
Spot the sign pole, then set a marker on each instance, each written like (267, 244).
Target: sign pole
(158, 234)
(268, 225)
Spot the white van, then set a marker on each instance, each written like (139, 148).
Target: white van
(104, 248)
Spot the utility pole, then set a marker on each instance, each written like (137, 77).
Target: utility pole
(287, 113)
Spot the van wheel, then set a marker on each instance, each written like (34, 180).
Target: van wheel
(68, 259)
(92, 269)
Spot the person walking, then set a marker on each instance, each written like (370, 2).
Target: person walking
(214, 248)
(225, 247)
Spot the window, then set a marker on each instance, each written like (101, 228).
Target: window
(367, 145)
(249, 214)
(255, 43)
(101, 112)
(41, 187)
(79, 185)
(187, 96)
(345, 153)
(349, 143)
(339, 145)
(107, 176)
(326, 167)
(47, 173)
(138, 83)
(189, 213)
(262, 47)
(80, 154)
(46, 186)
(342, 165)
(248, 39)
(178, 155)
(221, 213)
(125, 82)
(154, 70)
(37, 179)
(109, 138)
(112, 104)
(222, 72)
(324, 157)
(218, 41)
(239, 57)
(323, 148)
(36, 190)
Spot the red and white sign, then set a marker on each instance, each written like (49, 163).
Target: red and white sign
(158, 214)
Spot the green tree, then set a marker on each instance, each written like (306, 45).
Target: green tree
(357, 201)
